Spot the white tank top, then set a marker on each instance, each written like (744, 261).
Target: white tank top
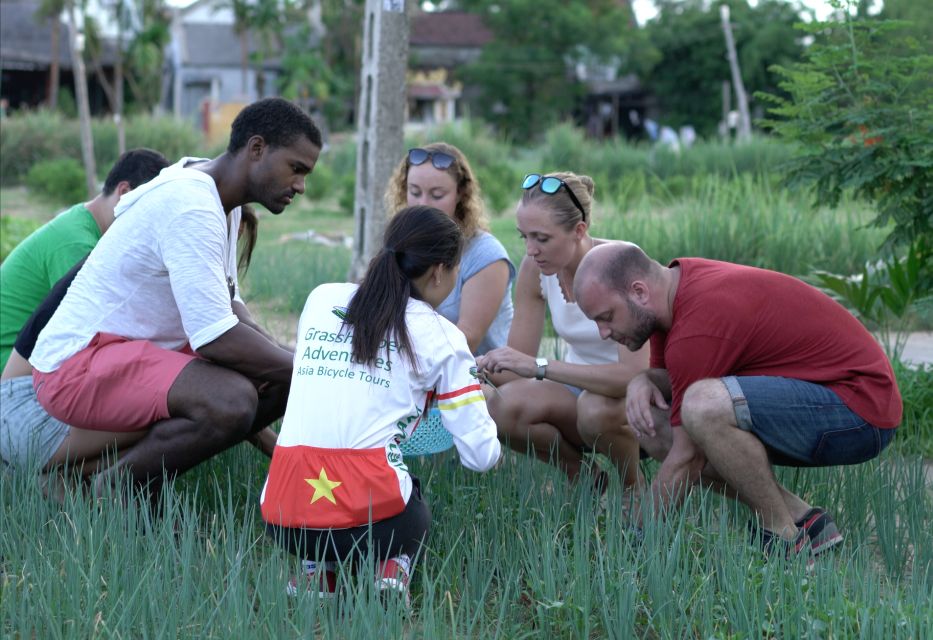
(584, 346)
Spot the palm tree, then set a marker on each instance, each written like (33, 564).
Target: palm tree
(242, 21)
(51, 10)
(76, 40)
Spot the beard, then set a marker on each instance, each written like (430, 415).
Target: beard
(646, 323)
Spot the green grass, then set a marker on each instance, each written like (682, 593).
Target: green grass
(743, 220)
(516, 553)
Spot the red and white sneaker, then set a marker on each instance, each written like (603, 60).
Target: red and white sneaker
(319, 580)
(823, 532)
(392, 576)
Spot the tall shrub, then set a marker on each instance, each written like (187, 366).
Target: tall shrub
(861, 106)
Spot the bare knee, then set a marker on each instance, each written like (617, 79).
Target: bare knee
(234, 409)
(505, 413)
(706, 405)
(222, 403)
(599, 415)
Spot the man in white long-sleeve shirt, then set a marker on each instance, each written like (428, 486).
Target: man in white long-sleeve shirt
(152, 333)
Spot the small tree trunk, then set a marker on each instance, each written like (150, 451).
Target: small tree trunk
(84, 109)
(244, 64)
(54, 67)
(118, 95)
(745, 121)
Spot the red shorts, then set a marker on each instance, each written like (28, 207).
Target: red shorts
(113, 384)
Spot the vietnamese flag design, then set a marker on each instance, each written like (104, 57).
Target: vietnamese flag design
(316, 488)
(323, 487)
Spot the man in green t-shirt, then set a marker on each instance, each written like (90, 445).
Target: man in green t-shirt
(39, 261)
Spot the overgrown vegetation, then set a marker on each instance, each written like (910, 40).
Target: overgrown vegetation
(30, 137)
(58, 180)
(515, 553)
(860, 107)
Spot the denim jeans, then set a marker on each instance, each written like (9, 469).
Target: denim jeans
(803, 424)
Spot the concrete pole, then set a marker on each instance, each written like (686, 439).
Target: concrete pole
(380, 121)
(745, 120)
(726, 108)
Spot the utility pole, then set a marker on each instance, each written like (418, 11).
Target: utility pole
(745, 121)
(380, 122)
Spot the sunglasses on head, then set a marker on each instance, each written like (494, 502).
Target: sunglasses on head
(551, 185)
(439, 159)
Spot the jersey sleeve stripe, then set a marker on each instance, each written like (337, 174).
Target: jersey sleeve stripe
(458, 392)
(447, 406)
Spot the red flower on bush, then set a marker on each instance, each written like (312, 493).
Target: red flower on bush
(868, 141)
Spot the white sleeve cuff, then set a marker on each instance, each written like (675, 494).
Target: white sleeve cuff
(212, 332)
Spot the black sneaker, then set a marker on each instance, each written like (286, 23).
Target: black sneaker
(824, 535)
(774, 545)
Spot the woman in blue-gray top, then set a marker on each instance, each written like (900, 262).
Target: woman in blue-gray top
(438, 175)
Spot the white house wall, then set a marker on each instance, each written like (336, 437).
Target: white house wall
(220, 85)
(208, 12)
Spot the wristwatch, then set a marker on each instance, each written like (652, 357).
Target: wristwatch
(542, 368)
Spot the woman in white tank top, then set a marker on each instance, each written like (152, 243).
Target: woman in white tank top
(560, 407)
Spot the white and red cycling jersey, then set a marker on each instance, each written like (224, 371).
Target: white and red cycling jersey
(337, 462)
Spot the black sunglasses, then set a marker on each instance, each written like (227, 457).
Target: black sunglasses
(439, 159)
(551, 185)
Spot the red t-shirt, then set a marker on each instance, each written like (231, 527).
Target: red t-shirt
(729, 319)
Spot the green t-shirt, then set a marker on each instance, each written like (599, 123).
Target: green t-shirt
(36, 264)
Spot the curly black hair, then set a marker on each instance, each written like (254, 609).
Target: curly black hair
(277, 120)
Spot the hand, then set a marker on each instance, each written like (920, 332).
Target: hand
(640, 396)
(508, 359)
(264, 440)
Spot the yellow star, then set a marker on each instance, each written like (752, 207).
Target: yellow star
(323, 488)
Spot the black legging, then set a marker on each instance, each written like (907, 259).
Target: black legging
(403, 533)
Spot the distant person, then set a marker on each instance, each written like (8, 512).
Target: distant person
(559, 407)
(152, 334)
(33, 440)
(652, 129)
(368, 362)
(688, 136)
(438, 175)
(749, 368)
(668, 138)
(38, 262)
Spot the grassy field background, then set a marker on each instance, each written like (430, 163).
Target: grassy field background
(515, 553)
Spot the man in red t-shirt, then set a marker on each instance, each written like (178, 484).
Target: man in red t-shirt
(752, 368)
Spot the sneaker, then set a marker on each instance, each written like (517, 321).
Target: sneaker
(824, 535)
(320, 583)
(392, 576)
(774, 545)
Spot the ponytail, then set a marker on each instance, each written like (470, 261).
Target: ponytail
(416, 239)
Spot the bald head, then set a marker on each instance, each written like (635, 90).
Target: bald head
(617, 286)
(614, 265)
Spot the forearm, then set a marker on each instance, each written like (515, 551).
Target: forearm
(245, 350)
(661, 380)
(609, 380)
(243, 315)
